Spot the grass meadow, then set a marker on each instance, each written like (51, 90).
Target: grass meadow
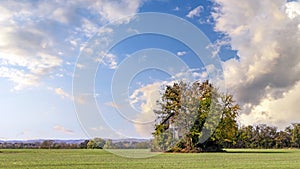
(88, 158)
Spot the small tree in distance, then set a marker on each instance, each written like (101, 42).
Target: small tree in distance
(194, 117)
(96, 143)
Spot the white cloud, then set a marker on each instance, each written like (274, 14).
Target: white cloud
(215, 48)
(38, 36)
(181, 53)
(107, 59)
(80, 99)
(266, 37)
(188, 75)
(80, 66)
(27, 51)
(18, 77)
(144, 99)
(115, 10)
(195, 12)
(63, 129)
(280, 112)
(63, 94)
(293, 9)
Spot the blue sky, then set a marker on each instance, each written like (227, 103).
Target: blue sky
(48, 50)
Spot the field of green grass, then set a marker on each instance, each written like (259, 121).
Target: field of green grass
(233, 159)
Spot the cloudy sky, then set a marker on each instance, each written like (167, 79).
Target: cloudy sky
(85, 68)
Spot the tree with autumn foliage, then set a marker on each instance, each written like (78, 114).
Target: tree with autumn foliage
(194, 117)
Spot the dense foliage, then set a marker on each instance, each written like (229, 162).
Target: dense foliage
(263, 136)
(194, 117)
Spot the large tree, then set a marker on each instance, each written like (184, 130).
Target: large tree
(194, 117)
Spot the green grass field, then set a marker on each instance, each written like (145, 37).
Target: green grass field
(241, 158)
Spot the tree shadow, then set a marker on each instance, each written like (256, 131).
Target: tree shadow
(256, 152)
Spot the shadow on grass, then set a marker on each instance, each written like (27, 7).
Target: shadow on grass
(11, 152)
(62, 165)
(257, 151)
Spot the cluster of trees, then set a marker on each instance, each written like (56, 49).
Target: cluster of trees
(99, 143)
(127, 145)
(263, 136)
(46, 144)
(51, 144)
(96, 143)
(196, 117)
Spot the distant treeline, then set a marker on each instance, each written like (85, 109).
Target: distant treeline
(46, 144)
(96, 143)
(259, 136)
(264, 136)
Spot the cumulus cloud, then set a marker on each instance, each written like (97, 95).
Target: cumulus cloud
(39, 37)
(293, 9)
(280, 112)
(144, 99)
(266, 37)
(195, 12)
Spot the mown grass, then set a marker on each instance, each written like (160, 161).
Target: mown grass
(233, 159)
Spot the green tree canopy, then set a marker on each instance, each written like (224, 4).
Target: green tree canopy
(194, 117)
(96, 143)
